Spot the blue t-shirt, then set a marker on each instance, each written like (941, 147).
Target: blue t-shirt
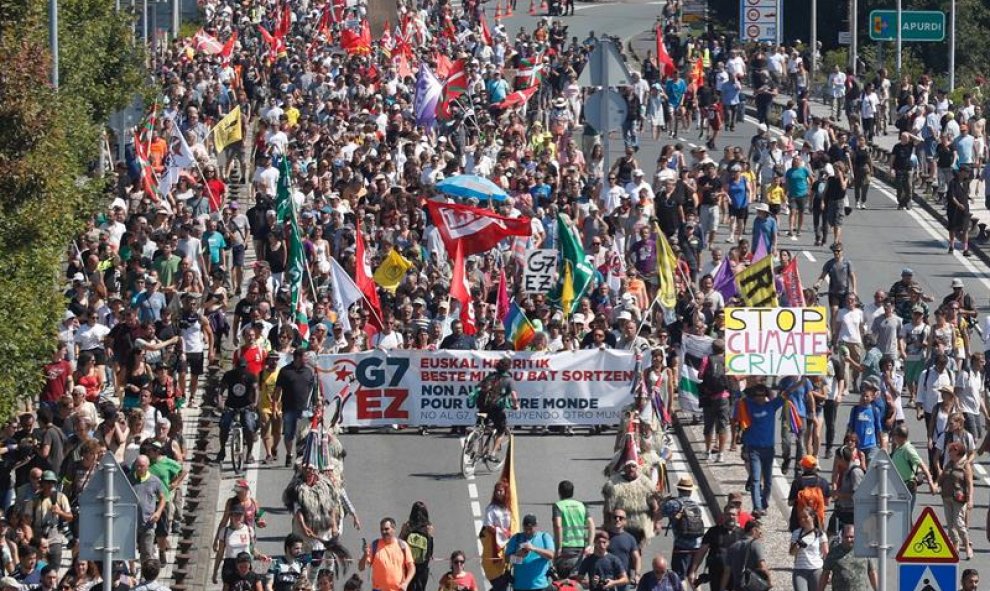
(867, 423)
(531, 572)
(149, 306)
(797, 394)
(765, 230)
(738, 193)
(215, 244)
(798, 181)
(497, 90)
(964, 149)
(675, 90)
(730, 93)
(763, 430)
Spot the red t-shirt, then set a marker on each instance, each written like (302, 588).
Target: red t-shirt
(255, 356)
(217, 194)
(56, 379)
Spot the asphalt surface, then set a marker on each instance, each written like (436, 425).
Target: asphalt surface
(386, 472)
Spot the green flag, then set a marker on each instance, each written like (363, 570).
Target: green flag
(579, 272)
(295, 269)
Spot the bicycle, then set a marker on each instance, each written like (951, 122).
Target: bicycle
(928, 542)
(479, 445)
(236, 442)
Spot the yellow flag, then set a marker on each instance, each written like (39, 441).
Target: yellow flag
(666, 263)
(756, 285)
(567, 290)
(228, 130)
(390, 273)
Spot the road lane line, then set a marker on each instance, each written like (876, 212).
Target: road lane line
(680, 469)
(476, 508)
(809, 256)
(473, 490)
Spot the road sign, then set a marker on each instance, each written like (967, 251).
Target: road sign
(605, 67)
(866, 512)
(916, 25)
(759, 20)
(928, 577)
(927, 542)
(845, 38)
(93, 520)
(595, 110)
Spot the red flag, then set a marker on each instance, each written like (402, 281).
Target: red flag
(402, 66)
(206, 43)
(460, 290)
(454, 86)
(356, 41)
(664, 60)
(228, 47)
(790, 278)
(486, 33)
(148, 181)
(363, 278)
(502, 298)
(477, 229)
(444, 66)
(284, 21)
(517, 98)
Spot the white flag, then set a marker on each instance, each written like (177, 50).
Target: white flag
(345, 293)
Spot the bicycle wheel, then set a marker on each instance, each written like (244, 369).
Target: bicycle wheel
(469, 453)
(237, 449)
(494, 458)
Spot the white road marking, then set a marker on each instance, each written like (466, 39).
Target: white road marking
(679, 468)
(809, 256)
(473, 490)
(983, 473)
(476, 508)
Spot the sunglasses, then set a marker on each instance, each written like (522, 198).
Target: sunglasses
(457, 561)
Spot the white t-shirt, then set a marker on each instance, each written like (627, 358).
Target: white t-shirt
(388, 342)
(268, 177)
(868, 107)
(850, 325)
(810, 557)
(90, 336)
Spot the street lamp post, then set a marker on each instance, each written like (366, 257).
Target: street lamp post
(952, 46)
(53, 39)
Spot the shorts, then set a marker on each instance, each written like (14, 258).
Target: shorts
(834, 214)
(739, 213)
(797, 204)
(837, 299)
(237, 255)
(290, 423)
(716, 416)
(194, 363)
(774, 209)
(912, 370)
(163, 527)
(99, 355)
(228, 571)
(497, 416)
(931, 147)
(710, 218)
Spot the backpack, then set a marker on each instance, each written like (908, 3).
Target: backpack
(688, 522)
(811, 496)
(489, 391)
(419, 546)
(713, 380)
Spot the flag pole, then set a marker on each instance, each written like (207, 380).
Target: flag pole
(646, 315)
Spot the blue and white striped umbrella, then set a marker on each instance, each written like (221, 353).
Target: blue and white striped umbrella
(467, 186)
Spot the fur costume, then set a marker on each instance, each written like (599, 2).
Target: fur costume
(320, 504)
(634, 498)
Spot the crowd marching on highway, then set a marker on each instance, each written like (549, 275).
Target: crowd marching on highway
(347, 237)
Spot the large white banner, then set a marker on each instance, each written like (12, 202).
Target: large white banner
(431, 388)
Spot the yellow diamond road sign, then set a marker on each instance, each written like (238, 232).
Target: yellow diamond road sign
(927, 542)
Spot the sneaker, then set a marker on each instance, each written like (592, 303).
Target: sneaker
(785, 467)
(790, 234)
(711, 455)
(966, 253)
(219, 459)
(719, 457)
(828, 454)
(794, 237)
(288, 461)
(951, 250)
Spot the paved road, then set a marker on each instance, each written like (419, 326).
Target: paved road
(385, 473)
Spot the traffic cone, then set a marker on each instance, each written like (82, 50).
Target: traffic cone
(532, 8)
(498, 10)
(543, 6)
(508, 8)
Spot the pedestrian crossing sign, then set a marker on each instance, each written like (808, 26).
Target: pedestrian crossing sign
(928, 577)
(927, 542)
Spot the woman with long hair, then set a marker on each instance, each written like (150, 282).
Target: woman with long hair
(83, 575)
(809, 546)
(956, 484)
(495, 534)
(88, 376)
(137, 377)
(418, 535)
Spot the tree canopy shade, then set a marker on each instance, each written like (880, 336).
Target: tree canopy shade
(49, 141)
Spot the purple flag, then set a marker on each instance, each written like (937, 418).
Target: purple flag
(760, 248)
(725, 281)
(428, 91)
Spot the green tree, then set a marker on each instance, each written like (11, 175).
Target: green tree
(48, 143)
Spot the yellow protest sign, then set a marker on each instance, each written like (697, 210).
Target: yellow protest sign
(228, 130)
(776, 341)
(755, 284)
(390, 273)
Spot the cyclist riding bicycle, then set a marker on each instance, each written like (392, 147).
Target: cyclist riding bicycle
(238, 396)
(493, 395)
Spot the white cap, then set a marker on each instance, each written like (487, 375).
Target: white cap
(624, 316)
(762, 207)
(762, 127)
(578, 318)
(829, 170)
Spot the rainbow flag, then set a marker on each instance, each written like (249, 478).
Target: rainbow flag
(518, 329)
(794, 417)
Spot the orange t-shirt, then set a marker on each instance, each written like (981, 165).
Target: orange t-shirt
(388, 564)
